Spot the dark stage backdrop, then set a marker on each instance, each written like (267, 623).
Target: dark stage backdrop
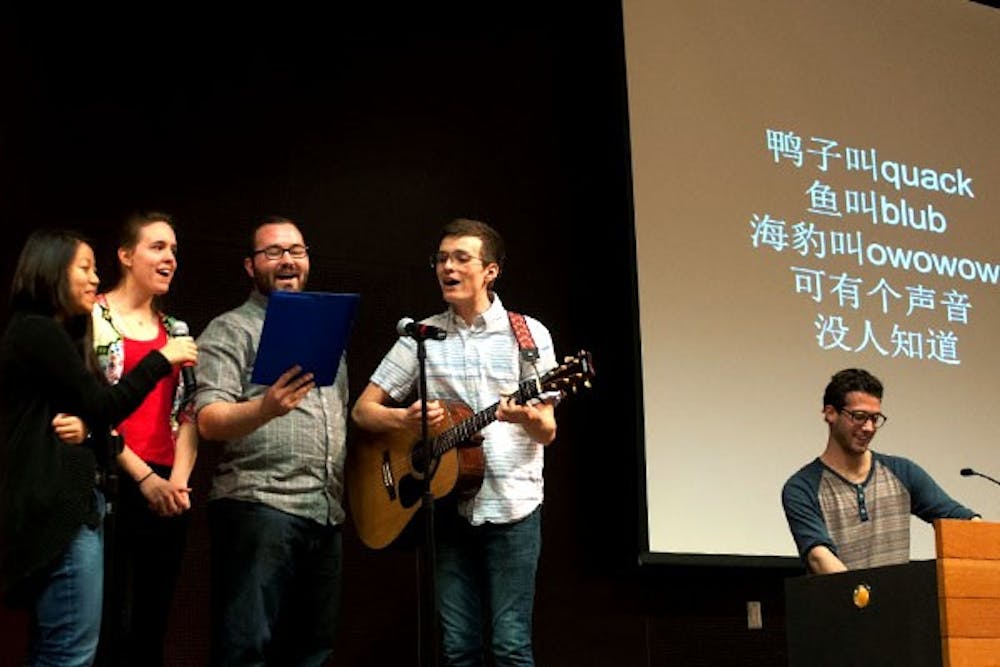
(373, 130)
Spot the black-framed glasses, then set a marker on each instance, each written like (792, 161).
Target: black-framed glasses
(297, 251)
(859, 417)
(459, 257)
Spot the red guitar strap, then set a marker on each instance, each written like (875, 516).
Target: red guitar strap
(529, 351)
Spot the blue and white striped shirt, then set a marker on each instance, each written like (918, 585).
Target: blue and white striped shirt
(476, 364)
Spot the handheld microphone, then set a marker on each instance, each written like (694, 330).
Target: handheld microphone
(408, 327)
(180, 328)
(969, 472)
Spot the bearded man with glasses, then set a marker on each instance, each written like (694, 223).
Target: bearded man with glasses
(276, 506)
(850, 507)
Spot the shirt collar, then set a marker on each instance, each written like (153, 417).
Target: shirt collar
(258, 299)
(485, 320)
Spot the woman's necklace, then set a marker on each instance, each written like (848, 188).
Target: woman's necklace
(137, 324)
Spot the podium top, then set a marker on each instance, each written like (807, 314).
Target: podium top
(960, 538)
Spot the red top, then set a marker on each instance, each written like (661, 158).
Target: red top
(147, 430)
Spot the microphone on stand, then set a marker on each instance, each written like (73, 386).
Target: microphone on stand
(408, 327)
(180, 328)
(969, 472)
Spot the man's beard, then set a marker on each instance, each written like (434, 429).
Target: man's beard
(266, 287)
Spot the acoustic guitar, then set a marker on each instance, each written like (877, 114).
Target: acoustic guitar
(386, 471)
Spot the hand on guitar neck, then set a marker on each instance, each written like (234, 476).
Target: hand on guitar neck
(537, 418)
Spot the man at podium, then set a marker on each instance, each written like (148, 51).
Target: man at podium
(850, 507)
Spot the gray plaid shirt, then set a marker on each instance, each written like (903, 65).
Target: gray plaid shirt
(294, 463)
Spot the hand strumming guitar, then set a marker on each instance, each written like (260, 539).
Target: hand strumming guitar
(411, 415)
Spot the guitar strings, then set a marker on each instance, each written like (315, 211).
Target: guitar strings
(450, 438)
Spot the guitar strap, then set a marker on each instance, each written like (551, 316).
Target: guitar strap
(529, 351)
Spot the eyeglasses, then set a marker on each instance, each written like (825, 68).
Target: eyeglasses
(297, 251)
(859, 417)
(459, 257)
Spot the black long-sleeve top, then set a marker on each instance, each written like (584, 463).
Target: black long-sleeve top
(46, 486)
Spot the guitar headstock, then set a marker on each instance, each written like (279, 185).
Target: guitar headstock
(576, 371)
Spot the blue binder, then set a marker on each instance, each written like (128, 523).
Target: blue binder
(310, 329)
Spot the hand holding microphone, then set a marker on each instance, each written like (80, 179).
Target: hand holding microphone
(180, 351)
(187, 355)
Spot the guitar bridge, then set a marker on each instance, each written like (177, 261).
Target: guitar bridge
(388, 481)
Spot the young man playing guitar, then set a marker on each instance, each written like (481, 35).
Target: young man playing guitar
(491, 554)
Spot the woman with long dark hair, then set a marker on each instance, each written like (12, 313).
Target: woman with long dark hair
(51, 503)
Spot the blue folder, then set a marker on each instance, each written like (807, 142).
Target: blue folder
(310, 329)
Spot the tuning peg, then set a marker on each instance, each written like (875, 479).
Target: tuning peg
(587, 384)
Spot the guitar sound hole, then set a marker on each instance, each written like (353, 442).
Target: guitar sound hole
(417, 459)
(418, 464)
(410, 489)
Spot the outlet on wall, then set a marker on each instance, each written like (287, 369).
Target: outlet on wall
(755, 620)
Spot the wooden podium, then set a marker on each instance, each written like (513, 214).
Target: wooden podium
(920, 614)
(968, 575)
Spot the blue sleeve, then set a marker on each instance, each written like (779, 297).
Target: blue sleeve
(800, 500)
(927, 500)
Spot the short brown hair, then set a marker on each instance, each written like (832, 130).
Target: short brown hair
(493, 246)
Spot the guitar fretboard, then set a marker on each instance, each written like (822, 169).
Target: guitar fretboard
(465, 429)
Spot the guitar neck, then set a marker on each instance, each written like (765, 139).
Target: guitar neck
(468, 427)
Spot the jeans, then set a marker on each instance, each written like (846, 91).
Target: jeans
(495, 565)
(66, 618)
(275, 586)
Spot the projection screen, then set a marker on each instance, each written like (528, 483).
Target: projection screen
(816, 186)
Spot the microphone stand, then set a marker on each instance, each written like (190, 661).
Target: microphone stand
(427, 636)
(969, 472)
